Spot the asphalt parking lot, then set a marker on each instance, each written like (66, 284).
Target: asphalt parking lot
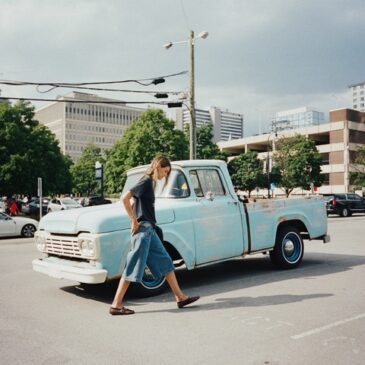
(249, 313)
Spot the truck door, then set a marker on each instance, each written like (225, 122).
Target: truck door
(216, 217)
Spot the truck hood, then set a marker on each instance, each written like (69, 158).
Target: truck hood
(99, 218)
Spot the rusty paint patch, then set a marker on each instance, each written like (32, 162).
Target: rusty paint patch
(282, 219)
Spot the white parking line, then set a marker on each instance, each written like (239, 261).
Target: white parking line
(324, 328)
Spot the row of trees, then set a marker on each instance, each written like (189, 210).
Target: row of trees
(296, 164)
(29, 150)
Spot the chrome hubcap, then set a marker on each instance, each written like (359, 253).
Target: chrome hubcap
(289, 247)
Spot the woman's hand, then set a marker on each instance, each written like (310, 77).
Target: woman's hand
(126, 200)
(134, 227)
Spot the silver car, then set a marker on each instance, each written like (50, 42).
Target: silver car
(57, 204)
(17, 226)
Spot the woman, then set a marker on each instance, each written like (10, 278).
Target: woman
(147, 247)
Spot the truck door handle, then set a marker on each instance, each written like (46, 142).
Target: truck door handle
(232, 203)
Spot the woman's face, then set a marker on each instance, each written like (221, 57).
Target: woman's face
(163, 171)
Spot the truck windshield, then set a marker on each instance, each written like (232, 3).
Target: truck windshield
(176, 187)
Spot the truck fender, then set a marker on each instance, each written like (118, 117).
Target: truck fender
(296, 220)
(181, 246)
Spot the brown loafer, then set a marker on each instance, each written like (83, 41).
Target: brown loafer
(187, 301)
(120, 311)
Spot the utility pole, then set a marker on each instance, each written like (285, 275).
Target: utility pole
(192, 100)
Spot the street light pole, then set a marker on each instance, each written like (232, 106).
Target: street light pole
(192, 99)
(192, 133)
(268, 162)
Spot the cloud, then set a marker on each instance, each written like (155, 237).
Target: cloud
(260, 57)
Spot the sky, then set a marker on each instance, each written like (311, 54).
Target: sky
(261, 56)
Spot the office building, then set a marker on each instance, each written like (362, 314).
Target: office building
(93, 121)
(297, 118)
(337, 142)
(226, 125)
(358, 96)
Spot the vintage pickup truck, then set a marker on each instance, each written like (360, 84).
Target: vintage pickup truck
(203, 222)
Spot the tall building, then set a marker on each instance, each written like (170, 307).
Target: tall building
(336, 141)
(297, 118)
(226, 125)
(77, 124)
(358, 96)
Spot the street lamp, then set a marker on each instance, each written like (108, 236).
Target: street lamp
(191, 40)
(99, 175)
(268, 161)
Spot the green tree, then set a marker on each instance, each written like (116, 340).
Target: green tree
(297, 163)
(246, 172)
(151, 134)
(83, 171)
(29, 150)
(357, 177)
(205, 147)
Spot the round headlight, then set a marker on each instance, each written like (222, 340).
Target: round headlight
(40, 242)
(86, 247)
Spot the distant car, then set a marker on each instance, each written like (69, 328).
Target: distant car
(2, 206)
(80, 200)
(96, 200)
(32, 207)
(344, 204)
(17, 226)
(57, 204)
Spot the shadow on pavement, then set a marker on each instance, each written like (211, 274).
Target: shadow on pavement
(233, 275)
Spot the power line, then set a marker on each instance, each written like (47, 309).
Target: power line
(90, 101)
(106, 89)
(152, 81)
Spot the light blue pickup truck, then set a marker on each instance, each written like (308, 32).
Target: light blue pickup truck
(203, 222)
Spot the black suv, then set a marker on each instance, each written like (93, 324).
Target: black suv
(344, 204)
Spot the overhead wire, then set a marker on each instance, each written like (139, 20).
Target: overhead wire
(87, 101)
(74, 84)
(83, 86)
(106, 89)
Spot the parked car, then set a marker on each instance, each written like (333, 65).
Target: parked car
(344, 204)
(96, 200)
(2, 206)
(32, 207)
(57, 204)
(17, 226)
(81, 200)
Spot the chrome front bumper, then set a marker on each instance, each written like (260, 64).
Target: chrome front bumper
(63, 269)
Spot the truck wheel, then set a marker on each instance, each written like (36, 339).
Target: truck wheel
(346, 212)
(149, 286)
(289, 248)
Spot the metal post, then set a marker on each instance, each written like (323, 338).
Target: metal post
(192, 100)
(102, 181)
(268, 169)
(268, 162)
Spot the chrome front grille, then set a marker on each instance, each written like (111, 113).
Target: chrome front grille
(63, 245)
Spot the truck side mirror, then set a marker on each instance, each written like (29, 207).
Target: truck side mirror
(209, 196)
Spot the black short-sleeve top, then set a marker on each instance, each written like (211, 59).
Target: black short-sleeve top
(144, 205)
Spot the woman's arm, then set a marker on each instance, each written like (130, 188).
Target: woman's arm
(128, 207)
